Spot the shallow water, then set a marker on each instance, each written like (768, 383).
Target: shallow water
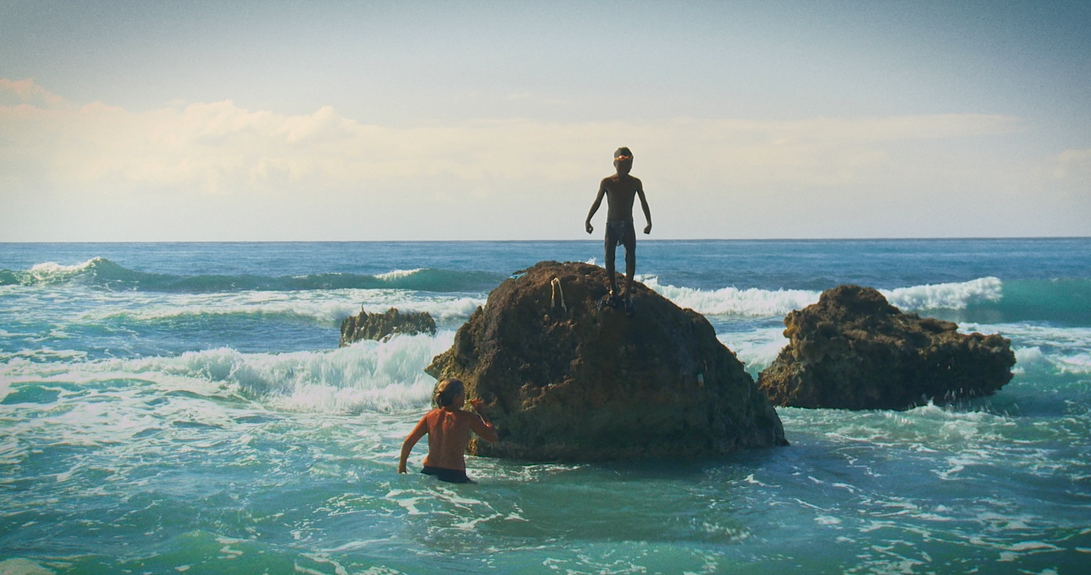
(184, 408)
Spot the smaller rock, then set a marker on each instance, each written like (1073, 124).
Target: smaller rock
(853, 350)
(381, 327)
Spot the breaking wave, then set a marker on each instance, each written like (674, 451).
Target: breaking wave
(368, 376)
(754, 302)
(101, 272)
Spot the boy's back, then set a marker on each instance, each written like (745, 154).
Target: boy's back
(448, 434)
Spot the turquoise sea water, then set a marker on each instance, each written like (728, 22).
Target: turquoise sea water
(184, 408)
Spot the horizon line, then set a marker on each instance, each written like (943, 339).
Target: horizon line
(596, 240)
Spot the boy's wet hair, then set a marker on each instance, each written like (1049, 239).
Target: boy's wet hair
(623, 152)
(446, 390)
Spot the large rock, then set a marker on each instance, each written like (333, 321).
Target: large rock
(563, 379)
(381, 326)
(853, 350)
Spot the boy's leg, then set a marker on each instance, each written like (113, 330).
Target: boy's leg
(629, 241)
(611, 253)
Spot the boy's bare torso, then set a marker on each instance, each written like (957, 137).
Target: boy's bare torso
(621, 190)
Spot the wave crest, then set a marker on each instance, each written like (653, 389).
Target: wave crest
(368, 376)
(102, 272)
(953, 296)
(752, 302)
(755, 302)
(94, 270)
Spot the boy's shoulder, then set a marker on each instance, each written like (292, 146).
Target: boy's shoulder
(466, 414)
(457, 413)
(617, 178)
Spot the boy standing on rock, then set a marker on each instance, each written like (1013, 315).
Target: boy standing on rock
(621, 190)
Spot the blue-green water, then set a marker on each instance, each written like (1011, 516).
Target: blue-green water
(184, 408)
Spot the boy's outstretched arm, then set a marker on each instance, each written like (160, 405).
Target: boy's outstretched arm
(595, 208)
(647, 210)
(481, 425)
(407, 446)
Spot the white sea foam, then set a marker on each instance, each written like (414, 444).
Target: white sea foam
(398, 274)
(754, 302)
(750, 302)
(367, 376)
(49, 272)
(55, 273)
(756, 348)
(945, 296)
(925, 428)
(314, 306)
(1079, 364)
(1044, 347)
(1028, 357)
(323, 307)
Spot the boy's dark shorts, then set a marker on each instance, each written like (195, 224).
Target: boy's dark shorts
(448, 475)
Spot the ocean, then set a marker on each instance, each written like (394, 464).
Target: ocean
(185, 408)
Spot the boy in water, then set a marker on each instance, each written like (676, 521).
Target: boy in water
(620, 191)
(448, 428)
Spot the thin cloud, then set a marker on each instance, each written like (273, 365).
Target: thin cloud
(19, 92)
(1073, 164)
(795, 178)
(222, 148)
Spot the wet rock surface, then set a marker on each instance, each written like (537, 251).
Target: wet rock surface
(381, 326)
(854, 350)
(564, 377)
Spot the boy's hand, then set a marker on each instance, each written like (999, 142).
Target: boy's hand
(587, 226)
(476, 403)
(648, 229)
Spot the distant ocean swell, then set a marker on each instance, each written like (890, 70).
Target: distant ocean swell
(104, 273)
(322, 308)
(986, 299)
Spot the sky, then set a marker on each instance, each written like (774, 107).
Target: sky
(403, 120)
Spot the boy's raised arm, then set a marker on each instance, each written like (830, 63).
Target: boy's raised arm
(481, 424)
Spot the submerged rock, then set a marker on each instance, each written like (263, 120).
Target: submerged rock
(382, 326)
(853, 350)
(565, 378)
